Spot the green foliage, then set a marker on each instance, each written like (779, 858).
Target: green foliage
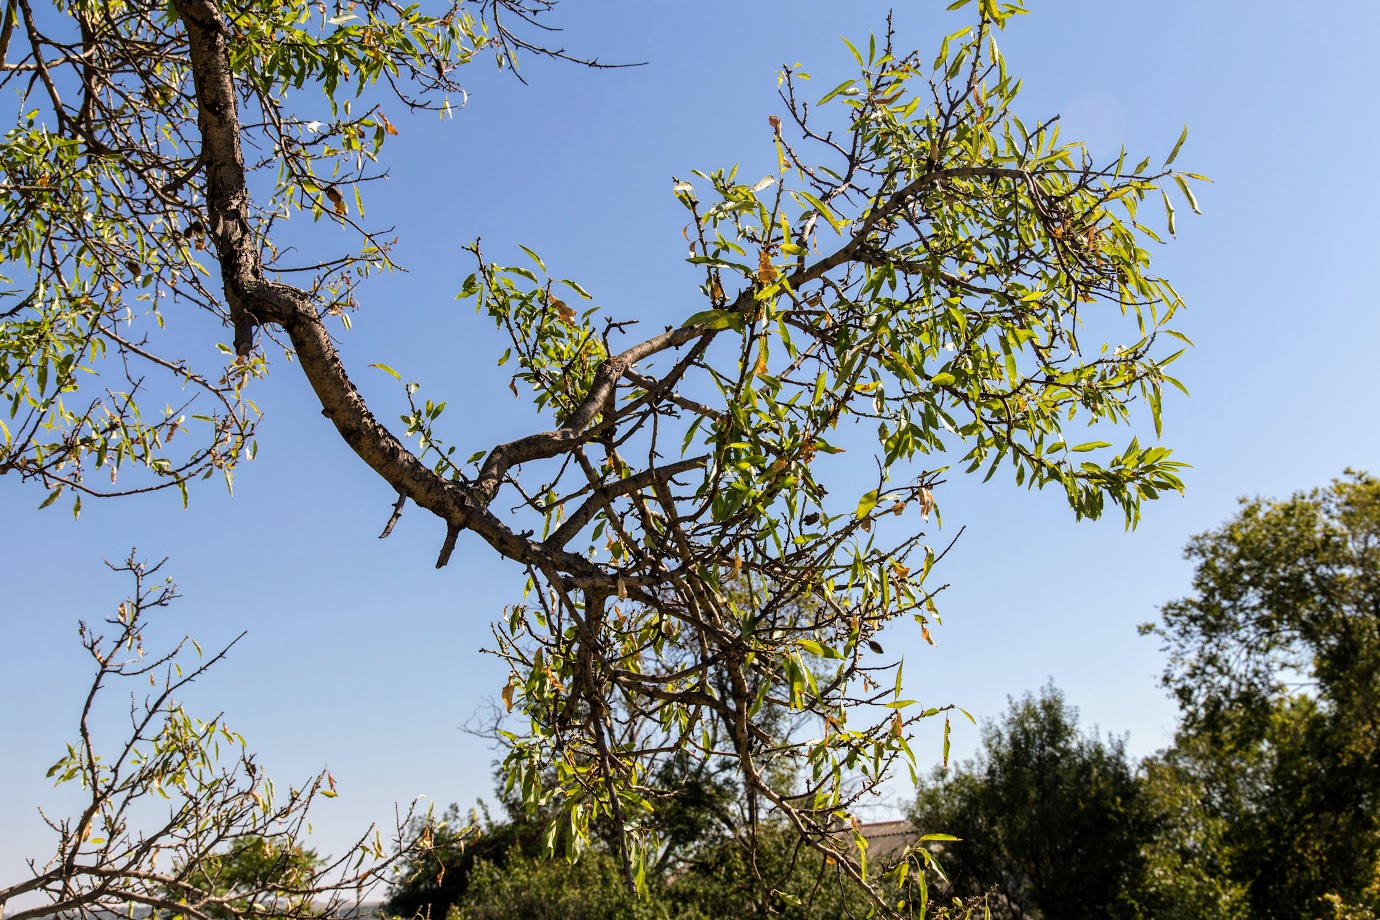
(704, 584)
(103, 222)
(439, 876)
(1275, 660)
(721, 876)
(1188, 871)
(541, 889)
(1051, 820)
(775, 876)
(1263, 807)
(266, 873)
(939, 293)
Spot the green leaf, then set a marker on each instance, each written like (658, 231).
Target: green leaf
(836, 90)
(1175, 152)
(721, 263)
(715, 319)
(822, 209)
(533, 256)
(388, 370)
(856, 56)
(817, 649)
(576, 288)
(1091, 445)
(866, 504)
(1188, 193)
(1169, 212)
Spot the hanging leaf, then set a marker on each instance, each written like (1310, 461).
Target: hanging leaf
(566, 312)
(760, 367)
(337, 200)
(766, 272)
(926, 504)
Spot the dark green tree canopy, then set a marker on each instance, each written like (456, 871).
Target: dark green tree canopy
(1275, 660)
(255, 873)
(1286, 599)
(1051, 818)
(927, 260)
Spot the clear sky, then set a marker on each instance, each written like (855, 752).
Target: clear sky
(364, 658)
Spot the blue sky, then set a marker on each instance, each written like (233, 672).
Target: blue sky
(362, 657)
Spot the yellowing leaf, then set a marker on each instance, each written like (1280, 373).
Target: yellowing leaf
(507, 694)
(766, 272)
(761, 366)
(337, 200)
(566, 311)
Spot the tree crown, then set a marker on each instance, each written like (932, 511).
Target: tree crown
(923, 260)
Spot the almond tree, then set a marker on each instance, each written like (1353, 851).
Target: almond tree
(923, 260)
